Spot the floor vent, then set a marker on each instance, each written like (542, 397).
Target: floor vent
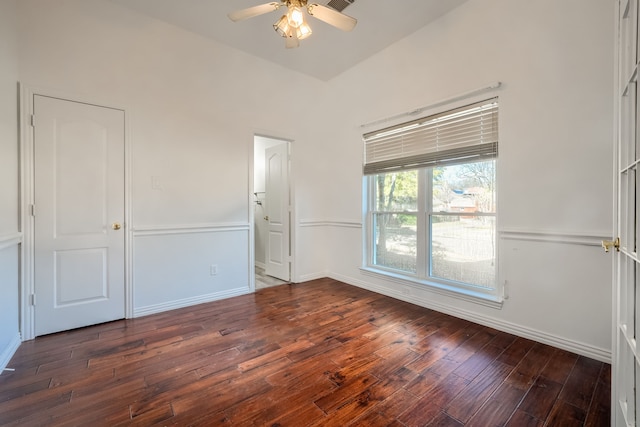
(339, 5)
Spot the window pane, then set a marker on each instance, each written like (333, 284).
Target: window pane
(396, 191)
(463, 249)
(395, 241)
(469, 187)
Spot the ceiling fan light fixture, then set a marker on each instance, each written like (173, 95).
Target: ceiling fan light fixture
(282, 27)
(292, 25)
(296, 17)
(303, 31)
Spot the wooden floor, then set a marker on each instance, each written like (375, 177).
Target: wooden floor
(320, 353)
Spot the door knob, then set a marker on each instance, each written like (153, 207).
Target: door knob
(266, 218)
(116, 226)
(608, 244)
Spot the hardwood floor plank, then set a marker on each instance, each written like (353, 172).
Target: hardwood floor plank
(479, 390)
(321, 353)
(420, 413)
(535, 360)
(566, 415)
(305, 415)
(20, 391)
(391, 407)
(447, 389)
(301, 372)
(15, 409)
(345, 392)
(522, 419)
(499, 408)
(513, 354)
(152, 416)
(236, 391)
(279, 401)
(540, 398)
(581, 383)
(560, 366)
(427, 381)
(371, 345)
(444, 420)
(479, 361)
(599, 412)
(275, 354)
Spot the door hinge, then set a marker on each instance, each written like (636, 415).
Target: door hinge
(32, 210)
(33, 299)
(33, 120)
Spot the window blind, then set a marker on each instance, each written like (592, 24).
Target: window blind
(462, 135)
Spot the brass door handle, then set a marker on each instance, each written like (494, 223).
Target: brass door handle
(116, 226)
(608, 244)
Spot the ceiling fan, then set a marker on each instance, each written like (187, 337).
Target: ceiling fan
(292, 25)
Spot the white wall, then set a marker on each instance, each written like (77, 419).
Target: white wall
(193, 107)
(10, 237)
(555, 60)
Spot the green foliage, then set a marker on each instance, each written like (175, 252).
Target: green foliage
(397, 191)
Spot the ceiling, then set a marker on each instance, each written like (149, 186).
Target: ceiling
(325, 54)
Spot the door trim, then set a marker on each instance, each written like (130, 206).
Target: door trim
(27, 198)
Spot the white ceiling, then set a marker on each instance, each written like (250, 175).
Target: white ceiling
(325, 54)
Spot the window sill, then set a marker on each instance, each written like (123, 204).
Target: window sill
(492, 301)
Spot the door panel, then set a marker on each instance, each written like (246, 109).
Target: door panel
(277, 208)
(625, 376)
(79, 195)
(81, 276)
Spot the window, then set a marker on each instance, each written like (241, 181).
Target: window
(431, 200)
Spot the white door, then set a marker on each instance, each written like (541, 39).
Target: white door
(625, 405)
(79, 213)
(277, 208)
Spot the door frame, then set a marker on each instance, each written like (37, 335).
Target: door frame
(293, 275)
(27, 198)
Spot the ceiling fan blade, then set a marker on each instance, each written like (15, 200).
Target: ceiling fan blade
(332, 17)
(293, 41)
(250, 12)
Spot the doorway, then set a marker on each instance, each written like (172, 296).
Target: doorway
(272, 211)
(75, 216)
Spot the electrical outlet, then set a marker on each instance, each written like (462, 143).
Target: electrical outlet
(213, 269)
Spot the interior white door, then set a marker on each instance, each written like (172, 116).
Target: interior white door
(625, 405)
(277, 208)
(78, 214)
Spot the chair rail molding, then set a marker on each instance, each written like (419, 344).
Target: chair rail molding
(341, 223)
(9, 240)
(163, 230)
(582, 238)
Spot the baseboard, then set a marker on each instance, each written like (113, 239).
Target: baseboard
(9, 351)
(187, 302)
(260, 265)
(587, 350)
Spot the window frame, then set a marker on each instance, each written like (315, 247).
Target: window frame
(423, 279)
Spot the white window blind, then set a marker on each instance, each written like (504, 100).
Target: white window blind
(465, 134)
